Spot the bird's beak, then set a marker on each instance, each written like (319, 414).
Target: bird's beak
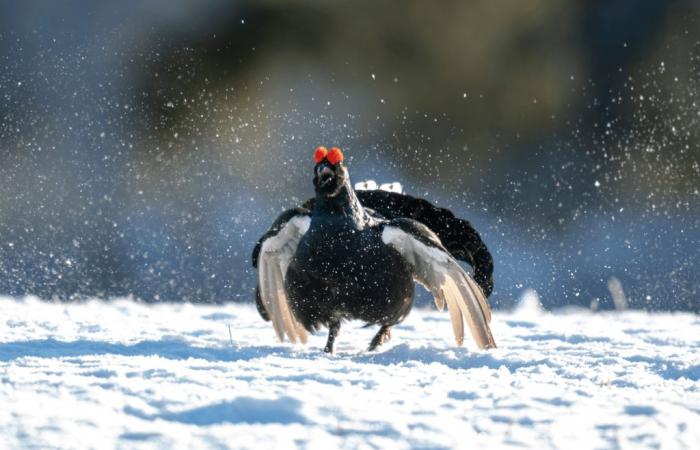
(325, 175)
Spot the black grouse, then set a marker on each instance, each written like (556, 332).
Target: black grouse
(355, 255)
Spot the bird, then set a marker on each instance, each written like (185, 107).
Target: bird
(356, 255)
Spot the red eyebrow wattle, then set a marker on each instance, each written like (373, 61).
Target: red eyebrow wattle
(320, 153)
(335, 155)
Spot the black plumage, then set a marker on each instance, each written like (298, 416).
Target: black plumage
(457, 235)
(355, 255)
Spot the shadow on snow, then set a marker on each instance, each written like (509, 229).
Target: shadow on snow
(283, 410)
(171, 349)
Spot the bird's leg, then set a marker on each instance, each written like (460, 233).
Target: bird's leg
(382, 336)
(333, 329)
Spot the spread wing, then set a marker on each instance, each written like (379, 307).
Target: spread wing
(272, 256)
(435, 269)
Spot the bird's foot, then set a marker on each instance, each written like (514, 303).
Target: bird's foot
(382, 336)
(333, 330)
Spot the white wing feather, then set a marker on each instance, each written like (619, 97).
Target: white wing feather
(450, 285)
(275, 255)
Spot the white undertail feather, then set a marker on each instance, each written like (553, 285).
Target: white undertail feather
(275, 255)
(450, 285)
(371, 185)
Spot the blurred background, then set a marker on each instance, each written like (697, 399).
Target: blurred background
(145, 146)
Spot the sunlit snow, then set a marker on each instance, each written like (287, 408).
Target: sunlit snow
(124, 374)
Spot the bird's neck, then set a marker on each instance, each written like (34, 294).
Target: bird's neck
(343, 205)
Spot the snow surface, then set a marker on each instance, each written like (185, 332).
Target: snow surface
(128, 375)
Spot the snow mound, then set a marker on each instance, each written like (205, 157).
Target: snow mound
(127, 375)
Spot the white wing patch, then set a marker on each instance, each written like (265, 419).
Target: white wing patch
(371, 185)
(450, 285)
(275, 256)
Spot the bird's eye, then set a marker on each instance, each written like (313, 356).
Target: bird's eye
(319, 154)
(335, 155)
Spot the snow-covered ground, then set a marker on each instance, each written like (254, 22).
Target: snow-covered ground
(128, 375)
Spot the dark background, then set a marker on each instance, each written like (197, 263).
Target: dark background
(144, 146)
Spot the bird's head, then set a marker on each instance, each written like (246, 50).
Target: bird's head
(330, 174)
